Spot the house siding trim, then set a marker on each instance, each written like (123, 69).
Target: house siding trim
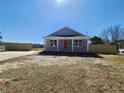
(71, 47)
(56, 38)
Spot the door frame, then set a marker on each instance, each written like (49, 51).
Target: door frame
(65, 44)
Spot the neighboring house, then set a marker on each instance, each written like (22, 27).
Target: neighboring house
(120, 44)
(121, 51)
(66, 40)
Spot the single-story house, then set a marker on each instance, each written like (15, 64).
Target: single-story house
(66, 40)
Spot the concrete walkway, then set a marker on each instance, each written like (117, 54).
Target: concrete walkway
(13, 54)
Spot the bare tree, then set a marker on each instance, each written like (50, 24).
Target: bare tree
(113, 34)
(106, 36)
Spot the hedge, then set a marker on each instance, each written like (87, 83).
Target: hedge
(37, 46)
(102, 48)
(18, 46)
(2, 48)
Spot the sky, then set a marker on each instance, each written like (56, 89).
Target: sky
(30, 20)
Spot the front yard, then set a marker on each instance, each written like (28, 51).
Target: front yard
(62, 74)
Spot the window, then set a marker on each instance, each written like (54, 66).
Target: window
(77, 43)
(80, 42)
(53, 43)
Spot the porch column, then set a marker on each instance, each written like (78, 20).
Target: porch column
(72, 45)
(87, 45)
(44, 44)
(57, 45)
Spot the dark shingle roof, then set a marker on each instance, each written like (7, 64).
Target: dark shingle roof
(66, 32)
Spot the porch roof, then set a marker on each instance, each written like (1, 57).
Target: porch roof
(59, 37)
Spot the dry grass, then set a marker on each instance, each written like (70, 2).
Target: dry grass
(118, 59)
(85, 77)
(113, 74)
(37, 49)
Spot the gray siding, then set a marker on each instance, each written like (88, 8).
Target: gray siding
(83, 48)
(69, 49)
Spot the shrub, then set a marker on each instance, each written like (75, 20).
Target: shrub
(102, 48)
(2, 48)
(18, 46)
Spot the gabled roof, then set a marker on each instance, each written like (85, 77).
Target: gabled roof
(66, 32)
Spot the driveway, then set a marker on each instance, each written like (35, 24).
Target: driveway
(13, 54)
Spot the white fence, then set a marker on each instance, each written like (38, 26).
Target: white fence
(2, 48)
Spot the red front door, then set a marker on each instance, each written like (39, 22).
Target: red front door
(65, 43)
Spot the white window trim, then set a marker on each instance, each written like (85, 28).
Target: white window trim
(78, 44)
(53, 41)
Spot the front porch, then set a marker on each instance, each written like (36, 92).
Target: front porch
(66, 44)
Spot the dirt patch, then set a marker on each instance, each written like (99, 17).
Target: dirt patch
(42, 61)
(62, 74)
(14, 54)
